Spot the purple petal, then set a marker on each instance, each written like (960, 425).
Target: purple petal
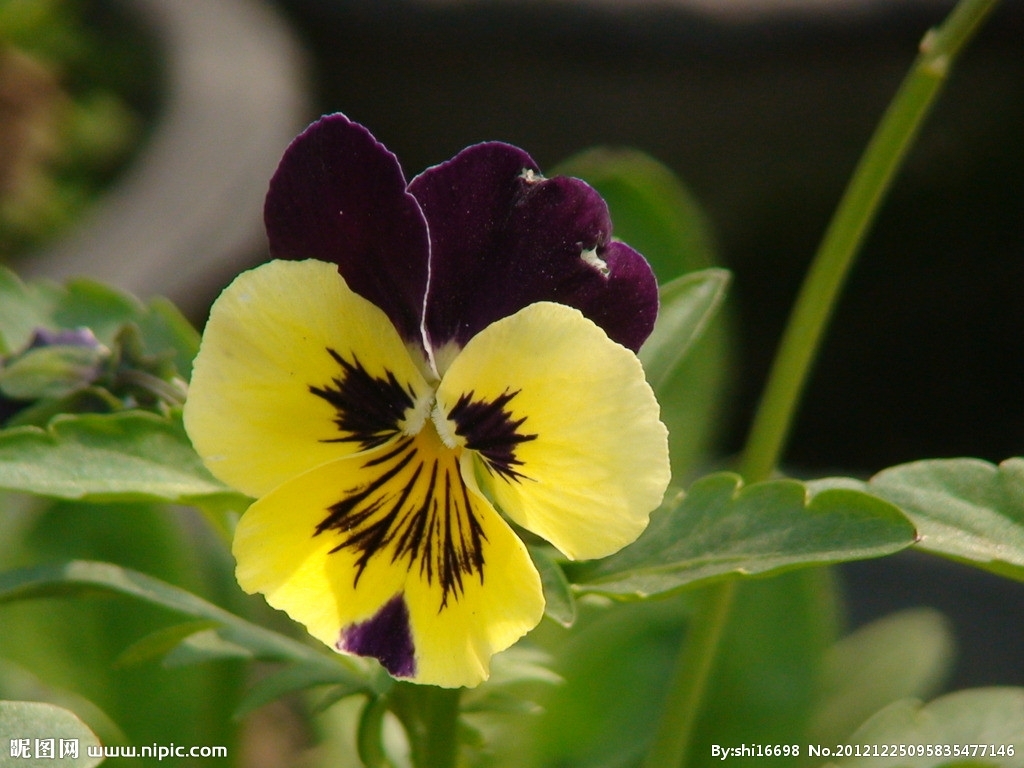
(503, 238)
(385, 636)
(626, 305)
(78, 337)
(339, 195)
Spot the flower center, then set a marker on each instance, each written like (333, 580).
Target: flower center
(371, 410)
(414, 504)
(415, 508)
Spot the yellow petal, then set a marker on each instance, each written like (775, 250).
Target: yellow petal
(389, 554)
(277, 336)
(565, 428)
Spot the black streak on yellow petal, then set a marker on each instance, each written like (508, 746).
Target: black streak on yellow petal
(416, 510)
(489, 428)
(369, 409)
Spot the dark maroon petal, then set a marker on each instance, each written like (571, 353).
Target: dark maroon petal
(339, 195)
(502, 238)
(626, 305)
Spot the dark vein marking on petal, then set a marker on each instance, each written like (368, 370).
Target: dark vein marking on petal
(368, 409)
(417, 510)
(491, 430)
(386, 636)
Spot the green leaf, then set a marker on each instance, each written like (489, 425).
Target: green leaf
(965, 509)
(722, 527)
(991, 718)
(100, 308)
(50, 372)
(19, 683)
(77, 577)
(765, 680)
(160, 643)
(124, 456)
(25, 722)
(906, 654)
(24, 307)
(519, 676)
(164, 327)
(183, 645)
(687, 305)
(203, 646)
(615, 663)
(142, 357)
(297, 677)
(559, 601)
(73, 643)
(618, 661)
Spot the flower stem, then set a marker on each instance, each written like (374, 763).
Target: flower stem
(693, 669)
(441, 718)
(846, 232)
(800, 342)
(431, 719)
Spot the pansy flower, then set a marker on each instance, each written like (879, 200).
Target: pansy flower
(425, 369)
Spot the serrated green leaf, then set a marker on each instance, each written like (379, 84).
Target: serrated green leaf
(84, 576)
(986, 717)
(966, 509)
(124, 456)
(907, 654)
(22, 721)
(723, 527)
(687, 305)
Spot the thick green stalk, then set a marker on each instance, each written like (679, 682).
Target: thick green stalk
(799, 346)
(430, 716)
(441, 745)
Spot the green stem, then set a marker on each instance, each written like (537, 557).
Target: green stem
(369, 737)
(693, 670)
(441, 745)
(800, 341)
(431, 719)
(857, 210)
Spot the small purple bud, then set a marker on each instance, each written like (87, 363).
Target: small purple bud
(77, 337)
